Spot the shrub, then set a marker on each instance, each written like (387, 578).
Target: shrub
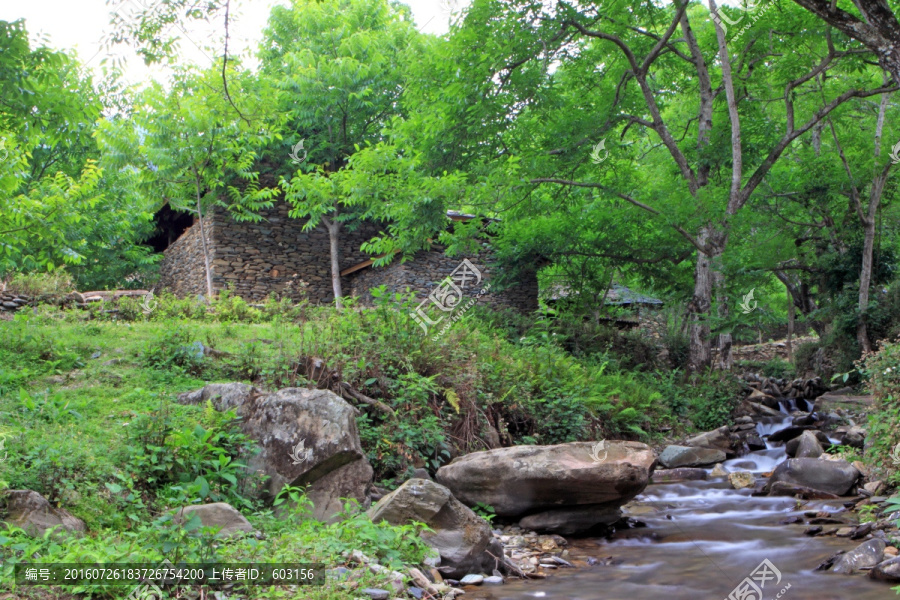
(882, 370)
(55, 283)
(176, 350)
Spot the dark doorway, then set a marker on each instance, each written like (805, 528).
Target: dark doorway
(170, 224)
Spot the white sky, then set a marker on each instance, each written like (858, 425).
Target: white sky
(82, 24)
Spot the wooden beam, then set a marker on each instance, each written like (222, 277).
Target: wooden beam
(363, 264)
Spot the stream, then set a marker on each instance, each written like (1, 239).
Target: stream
(702, 539)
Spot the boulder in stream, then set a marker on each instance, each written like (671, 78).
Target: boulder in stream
(719, 439)
(888, 570)
(808, 446)
(791, 446)
(686, 456)
(523, 480)
(741, 479)
(865, 556)
(676, 475)
(570, 521)
(829, 476)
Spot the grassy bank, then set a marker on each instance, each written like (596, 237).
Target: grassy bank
(89, 418)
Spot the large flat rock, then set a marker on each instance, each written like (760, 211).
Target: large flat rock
(522, 480)
(829, 476)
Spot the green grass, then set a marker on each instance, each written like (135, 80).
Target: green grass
(89, 419)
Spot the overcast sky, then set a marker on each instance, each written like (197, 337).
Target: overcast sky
(82, 24)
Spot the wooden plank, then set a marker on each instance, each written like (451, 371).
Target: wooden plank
(363, 264)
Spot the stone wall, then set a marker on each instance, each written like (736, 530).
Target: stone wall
(182, 271)
(426, 270)
(255, 259)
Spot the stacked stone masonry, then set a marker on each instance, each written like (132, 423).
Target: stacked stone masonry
(275, 255)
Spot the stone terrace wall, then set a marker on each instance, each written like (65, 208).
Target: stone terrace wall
(181, 270)
(428, 269)
(258, 258)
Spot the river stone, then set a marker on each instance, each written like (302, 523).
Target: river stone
(459, 535)
(808, 446)
(686, 456)
(791, 446)
(888, 570)
(754, 442)
(741, 479)
(676, 475)
(32, 512)
(471, 579)
(786, 434)
(573, 520)
(855, 437)
(492, 559)
(758, 409)
(305, 436)
(520, 480)
(866, 555)
(717, 471)
(720, 439)
(781, 488)
(217, 514)
(829, 476)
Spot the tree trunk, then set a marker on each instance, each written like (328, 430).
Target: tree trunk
(699, 356)
(334, 228)
(865, 281)
(879, 29)
(209, 287)
(790, 335)
(799, 293)
(725, 358)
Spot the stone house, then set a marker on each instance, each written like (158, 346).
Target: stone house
(255, 259)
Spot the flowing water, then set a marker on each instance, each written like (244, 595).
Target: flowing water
(702, 540)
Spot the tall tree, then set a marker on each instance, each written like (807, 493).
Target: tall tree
(339, 67)
(875, 25)
(189, 149)
(699, 122)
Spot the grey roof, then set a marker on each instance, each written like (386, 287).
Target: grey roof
(618, 295)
